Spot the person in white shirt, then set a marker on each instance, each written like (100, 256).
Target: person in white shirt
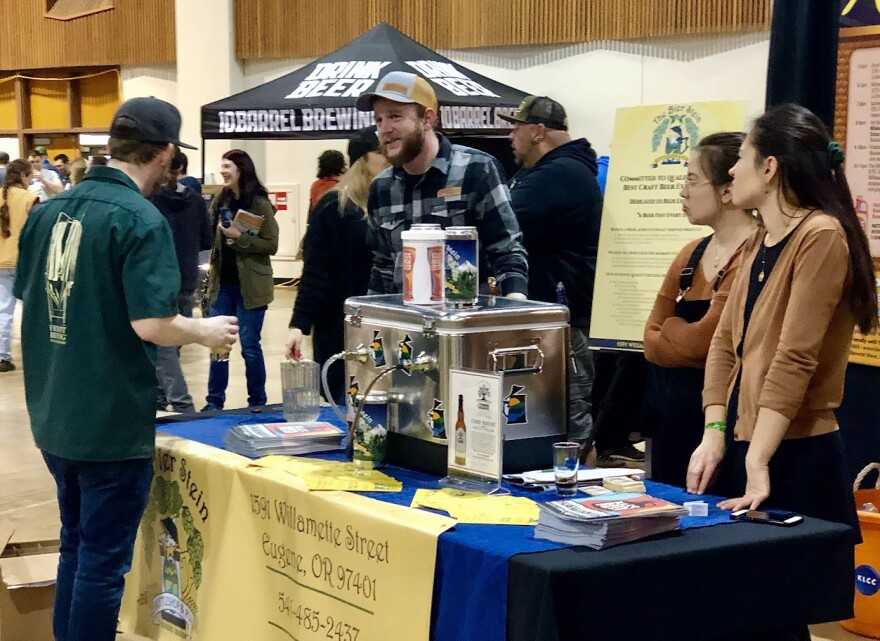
(45, 183)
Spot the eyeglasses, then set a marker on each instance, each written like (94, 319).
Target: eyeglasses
(691, 183)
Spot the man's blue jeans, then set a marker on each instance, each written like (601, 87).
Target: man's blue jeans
(250, 326)
(101, 505)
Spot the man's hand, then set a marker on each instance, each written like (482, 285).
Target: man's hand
(293, 346)
(219, 331)
(230, 232)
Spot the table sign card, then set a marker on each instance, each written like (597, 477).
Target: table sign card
(475, 446)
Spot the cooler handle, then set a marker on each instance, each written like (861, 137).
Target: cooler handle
(533, 366)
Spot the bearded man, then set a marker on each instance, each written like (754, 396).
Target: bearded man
(433, 181)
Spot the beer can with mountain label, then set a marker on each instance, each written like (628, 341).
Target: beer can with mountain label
(462, 266)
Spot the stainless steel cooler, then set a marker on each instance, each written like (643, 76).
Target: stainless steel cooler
(527, 341)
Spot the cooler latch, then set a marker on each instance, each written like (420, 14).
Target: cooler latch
(517, 360)
(355, 317)
(428, 328)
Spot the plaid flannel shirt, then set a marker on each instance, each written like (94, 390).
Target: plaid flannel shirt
(473, 194)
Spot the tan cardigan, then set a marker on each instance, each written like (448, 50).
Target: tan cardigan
(796, 351)
(20, 203)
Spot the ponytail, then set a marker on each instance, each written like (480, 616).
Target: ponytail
(863, 297)
(16, 172)
(4, 213)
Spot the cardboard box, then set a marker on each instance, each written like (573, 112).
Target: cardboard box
(27, 587)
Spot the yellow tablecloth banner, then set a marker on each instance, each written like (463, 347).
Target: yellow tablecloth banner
(238, 552)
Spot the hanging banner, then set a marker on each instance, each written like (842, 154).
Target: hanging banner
(863, 170)
(273, 559)
(643, 226)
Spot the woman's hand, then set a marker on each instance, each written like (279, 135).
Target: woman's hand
(230, 232)
(293, 346)
(757, 488)
(705, 462)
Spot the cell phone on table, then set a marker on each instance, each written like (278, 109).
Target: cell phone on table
(771, 517)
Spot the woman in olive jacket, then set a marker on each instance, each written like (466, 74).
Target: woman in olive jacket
(240, 282)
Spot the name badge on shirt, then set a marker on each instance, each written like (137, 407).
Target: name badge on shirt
(449, 191)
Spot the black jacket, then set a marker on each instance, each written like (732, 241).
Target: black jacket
(559, 207)
(187, 214)
(337, 265)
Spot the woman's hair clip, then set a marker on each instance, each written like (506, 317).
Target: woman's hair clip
(835, 154)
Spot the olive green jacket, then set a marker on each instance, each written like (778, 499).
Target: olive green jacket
(251, 256)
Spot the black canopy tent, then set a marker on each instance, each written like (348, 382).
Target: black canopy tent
(317, 101)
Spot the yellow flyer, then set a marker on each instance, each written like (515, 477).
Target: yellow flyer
(643, 226)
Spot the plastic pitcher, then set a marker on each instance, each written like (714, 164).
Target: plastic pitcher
(299, 391)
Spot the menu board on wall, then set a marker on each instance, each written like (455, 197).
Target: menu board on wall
(863, 169)
(643, 225)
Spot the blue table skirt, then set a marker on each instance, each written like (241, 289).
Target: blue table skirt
(470, 594)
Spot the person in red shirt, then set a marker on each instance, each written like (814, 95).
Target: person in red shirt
(331, 166)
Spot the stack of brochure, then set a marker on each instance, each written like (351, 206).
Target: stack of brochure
(257, 440)
(608, 520)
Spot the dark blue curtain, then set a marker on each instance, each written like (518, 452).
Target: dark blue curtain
(803, 55)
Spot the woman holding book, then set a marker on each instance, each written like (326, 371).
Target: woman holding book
(689, 305)
(240, 282)
(776, 365)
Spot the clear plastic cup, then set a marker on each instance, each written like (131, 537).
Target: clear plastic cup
(300, 391)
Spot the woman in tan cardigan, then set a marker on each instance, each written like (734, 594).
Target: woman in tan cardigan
(776, 365)
(688, 307)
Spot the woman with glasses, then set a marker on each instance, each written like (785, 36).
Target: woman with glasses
(688, 307)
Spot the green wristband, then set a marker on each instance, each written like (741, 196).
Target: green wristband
(721, 426)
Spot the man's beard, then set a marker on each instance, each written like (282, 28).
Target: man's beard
(411, 145)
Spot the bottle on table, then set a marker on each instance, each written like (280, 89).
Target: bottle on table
(460, 434)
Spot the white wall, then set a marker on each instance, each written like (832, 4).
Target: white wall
(10, 146)
(591, 80)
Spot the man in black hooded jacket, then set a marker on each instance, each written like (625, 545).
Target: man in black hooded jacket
(191, 228)
(558, 204)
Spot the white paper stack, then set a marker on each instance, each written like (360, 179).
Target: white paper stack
(265, 439)
(611, 519)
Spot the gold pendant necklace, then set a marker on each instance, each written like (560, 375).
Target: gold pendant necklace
(763, 259)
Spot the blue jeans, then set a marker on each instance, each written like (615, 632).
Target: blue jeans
(101, 505)
(7, 311)
(250, 325)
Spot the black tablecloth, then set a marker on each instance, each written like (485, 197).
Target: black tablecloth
(697, 584)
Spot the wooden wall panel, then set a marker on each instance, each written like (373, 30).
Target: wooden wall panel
(309, 28)
(134, 32)
(8, 111)
(100, 96)
(48, 100)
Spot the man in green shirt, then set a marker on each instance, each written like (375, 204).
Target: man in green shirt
(98, 276)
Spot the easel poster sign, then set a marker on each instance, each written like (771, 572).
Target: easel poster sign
(643, 226)
(475, 441)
